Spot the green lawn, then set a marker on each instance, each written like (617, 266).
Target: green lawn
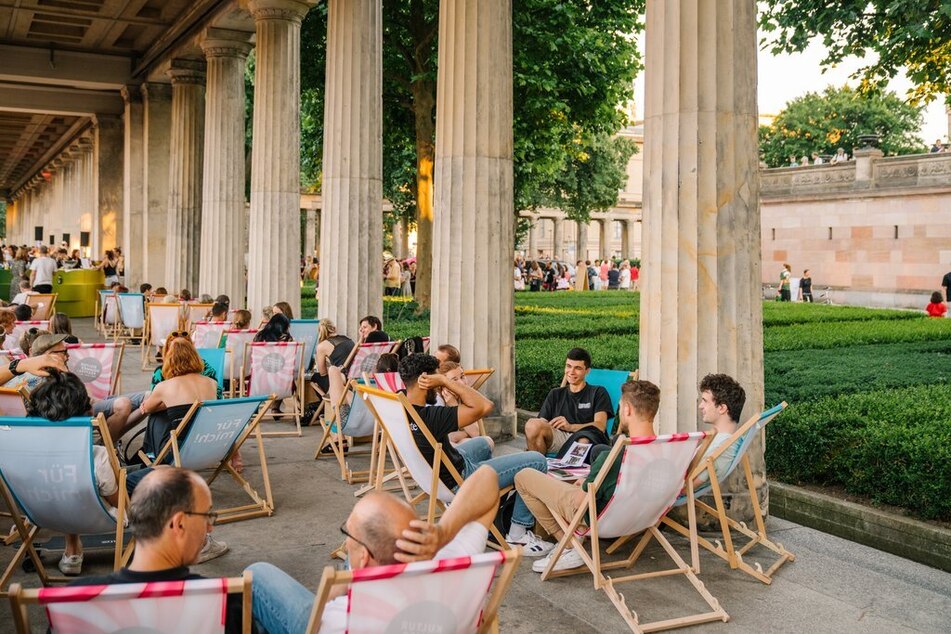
(870, 404)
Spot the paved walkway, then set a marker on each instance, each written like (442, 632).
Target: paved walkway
(833, 586)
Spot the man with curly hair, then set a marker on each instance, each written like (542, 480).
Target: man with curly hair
(721, 404)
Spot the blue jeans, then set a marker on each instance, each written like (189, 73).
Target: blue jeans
(280, 604)
(476, 452)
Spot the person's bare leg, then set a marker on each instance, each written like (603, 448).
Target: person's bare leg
(538, 435)
(118, 421)
(337, 385)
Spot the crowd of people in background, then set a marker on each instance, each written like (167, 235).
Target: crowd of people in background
(552, 275)
(840, 156)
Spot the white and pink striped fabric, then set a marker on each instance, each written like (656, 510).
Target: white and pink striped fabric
(12, 342)
(274, 367)
(197, 606)
(445, 595)
(97, 365)
(389, 381)
(207, 334)
(235, 341)
(365, 358)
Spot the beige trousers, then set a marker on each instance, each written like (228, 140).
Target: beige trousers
(543, 494)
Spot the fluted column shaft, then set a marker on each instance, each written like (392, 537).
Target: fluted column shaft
(474, 224)
(701, 309)
(626, 251)
(582, 240)
(183, 230)
(558, 238)
(222, 203)
(604, 240)
(310, 231)
(532, 251)
(351, 271)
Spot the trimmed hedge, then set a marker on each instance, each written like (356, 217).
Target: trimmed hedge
(850, 333)
(892, 445)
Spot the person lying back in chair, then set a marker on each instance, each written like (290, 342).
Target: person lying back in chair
(381, 530)
(721, 404)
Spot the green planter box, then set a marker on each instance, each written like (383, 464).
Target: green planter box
(78, 291)
(5, 276)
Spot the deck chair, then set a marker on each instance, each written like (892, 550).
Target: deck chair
(305, 331)
(163, 607)
(610, 380)
(99, 365)
(162, 320)
(447, 595)
(653, 472)
(426, 342)
(206, 438)
(101, 298)
(388, 381)
(745, 435)
(276, 368)
(47, 476)
(215, 357)
(131, 322)
(394, 413)
(363, 358)
(207, 334)
(13, 401)
(43, 304)
(12, 342)
(234, 342)
(193, 313)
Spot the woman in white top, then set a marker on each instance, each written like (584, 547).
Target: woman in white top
(624, 283)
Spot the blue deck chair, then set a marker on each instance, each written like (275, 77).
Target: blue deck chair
(744, 436)
(209, 434)
(215, 357)
(47, 476)
(358, 423)
(306, 331)
(131, 316)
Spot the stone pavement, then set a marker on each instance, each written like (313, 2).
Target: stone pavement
(833, 586)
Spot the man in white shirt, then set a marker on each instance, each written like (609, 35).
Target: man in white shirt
(381, 530)
(20, 298)
(721, 404)
(41, 271)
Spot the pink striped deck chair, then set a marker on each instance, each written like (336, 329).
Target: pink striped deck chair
(207, 334)
(161, 321)
(653, 471)
(12, 342)
(447, 595)
(277, 368)
(235, 340)
(388, 381)
(193, 312)
(364, 357)
(197, 606)
(98, 365)
(426, 342)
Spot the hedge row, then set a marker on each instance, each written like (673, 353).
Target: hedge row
(850, 333)
(892, 445)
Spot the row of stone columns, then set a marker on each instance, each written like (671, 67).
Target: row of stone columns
(630, 242)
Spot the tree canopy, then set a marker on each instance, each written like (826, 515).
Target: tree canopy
(835, 118)
(914, 34)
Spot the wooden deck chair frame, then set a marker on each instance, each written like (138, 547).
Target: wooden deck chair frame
(234, 366)
(259, 506)
(508, 565)
(297, 398)
(126, 332)
(477, 378)
(727, 550)
(187, 309)
(19, 391)
(148, 347)
(26, 533)
(433, 503)
(21, 599)
(596, 567)
(101, 297)
(34, 300)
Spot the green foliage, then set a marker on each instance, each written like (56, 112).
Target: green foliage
(849, 333)
(785, 313)
(893, 446)
(909, 35)
(835, 118)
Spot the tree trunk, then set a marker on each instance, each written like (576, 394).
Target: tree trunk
(424, 100)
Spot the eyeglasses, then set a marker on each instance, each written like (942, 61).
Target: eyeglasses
(175, 334)
(210, 516)
(343, 530)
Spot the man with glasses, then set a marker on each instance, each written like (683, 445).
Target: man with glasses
(170, 515)
(381, 530)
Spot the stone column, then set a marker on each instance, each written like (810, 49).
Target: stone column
(317, 221)
(221, 257)
(604, 239)
(864, 158)
(701, 307)
(351, 270)
(398, 252)
(274, 230)
(156, 148)
(626, 239)
(532, 252)
(310, 231)
(474, 226)
(582, 241)
(558, 238)
(133, 225)
(108, 182)
(183, 231)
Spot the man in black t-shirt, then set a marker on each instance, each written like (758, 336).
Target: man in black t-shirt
(170, 514)
(570, 408)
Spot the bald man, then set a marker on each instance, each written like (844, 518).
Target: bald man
(380, 530)
(170, 515)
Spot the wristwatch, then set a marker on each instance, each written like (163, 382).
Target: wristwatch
(13, 367)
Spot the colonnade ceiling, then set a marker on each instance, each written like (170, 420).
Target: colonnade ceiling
(65, 61)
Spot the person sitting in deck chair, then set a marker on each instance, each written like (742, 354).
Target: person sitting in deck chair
(721, 404)
(171, 516)
(566, 410)
(419, 374)
(370, 324)
(454, 372)
(636, 410)
(380, 530)
(332, 350)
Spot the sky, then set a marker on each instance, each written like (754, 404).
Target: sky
(785, 77)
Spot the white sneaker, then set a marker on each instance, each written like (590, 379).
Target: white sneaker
(212, 548)
(532, 545)
(71, 565)
(569, 559)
